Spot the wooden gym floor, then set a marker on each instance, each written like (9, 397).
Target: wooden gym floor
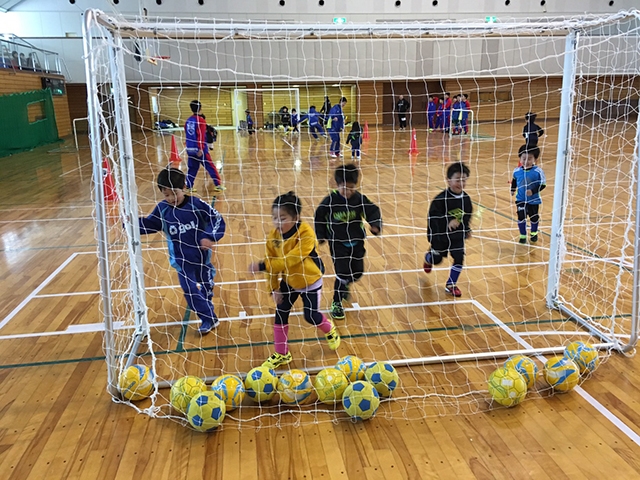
(58, 421)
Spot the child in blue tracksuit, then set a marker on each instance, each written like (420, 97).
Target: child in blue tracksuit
(527, 183)
(192, 227)
(432, 106)
(295, 120)
(315, 122)
(337, 124)
(249, 122)
(355, 139)
(195, 129)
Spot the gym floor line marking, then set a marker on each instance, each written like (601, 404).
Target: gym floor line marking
(291, 341)
(633, 436)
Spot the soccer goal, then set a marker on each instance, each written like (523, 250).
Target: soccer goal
(578, 282)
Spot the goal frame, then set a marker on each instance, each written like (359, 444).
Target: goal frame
(115, 30)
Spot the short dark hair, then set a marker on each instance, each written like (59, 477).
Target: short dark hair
(348, 173)
(288, 202)
(171, 178)
(535, 151)
(458, 167)
(312, 106)
(343, 99)
(195, 106)
(530, 116)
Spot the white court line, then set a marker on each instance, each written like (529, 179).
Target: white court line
(633, 436)
(242, 316)
(33, 294)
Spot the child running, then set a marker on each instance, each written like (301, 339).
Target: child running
(338, 219)
(192, 227)
(294, 270)
(448, 229)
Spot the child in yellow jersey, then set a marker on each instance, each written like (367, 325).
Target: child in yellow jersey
(294, 270)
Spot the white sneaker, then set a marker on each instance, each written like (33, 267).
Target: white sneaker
(333, 155)
(341, 154)
(358, 157)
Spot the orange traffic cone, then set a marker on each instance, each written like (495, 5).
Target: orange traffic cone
(365, 133)
(108, 187)
(413, 149)
(174, 159)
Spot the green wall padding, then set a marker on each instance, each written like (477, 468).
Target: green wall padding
(18, 133)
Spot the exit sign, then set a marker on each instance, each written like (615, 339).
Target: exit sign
(491, 19)
(339, 20)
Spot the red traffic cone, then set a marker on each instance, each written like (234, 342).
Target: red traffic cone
(108, 187)
(365, 133)
(413, 149)
(174, 159)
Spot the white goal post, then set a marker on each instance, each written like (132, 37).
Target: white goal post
(587, 248)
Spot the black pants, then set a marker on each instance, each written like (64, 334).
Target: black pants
(527, 210)
(348, 262)
(455, 249)
(310, 301)
(402, 118)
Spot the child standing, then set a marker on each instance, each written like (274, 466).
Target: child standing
(531, 132)
(527, 183)
(295, 120)
(431, 112)
(337, 124)
(249, 122)
(465, 113)
(338, 220)
(448, 229)
(294, 270)
(355, 139)
(195, 129)
(447, 111)
(456, 115)
(191, 227)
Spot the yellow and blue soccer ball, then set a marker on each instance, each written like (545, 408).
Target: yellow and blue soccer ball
(183, 390)
(230, 389)
(294, 387)
(561, 373)
(206, 411)
(330, 384)
(360, 400)
(525, 366)
(352, 367)
(136, 382)
(584, 355)
(261, 383)
(507, 386)
(383, 376)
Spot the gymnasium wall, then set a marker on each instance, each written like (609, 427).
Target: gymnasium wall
(16, 82)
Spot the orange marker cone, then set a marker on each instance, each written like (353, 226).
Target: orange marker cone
(365, 133)
(108, 187)
(413, 149)
(174, 159)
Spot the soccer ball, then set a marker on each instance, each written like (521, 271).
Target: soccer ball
(352, 367)
(260, 384)
(136, 382)
(561, 373)
(183, 390)
(206, 411)
(330, 384)
(383, 376)
(230, 389)
(360, 400)
(507, 386)
(294, 387)
(525, 366)
(584, 355)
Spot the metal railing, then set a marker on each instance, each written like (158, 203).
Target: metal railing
(18, 54)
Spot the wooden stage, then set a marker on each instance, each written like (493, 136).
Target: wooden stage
(58, 421)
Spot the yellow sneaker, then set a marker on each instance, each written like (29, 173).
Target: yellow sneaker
(333, 338)
(218, 189)
(277, 360)
(190, 191)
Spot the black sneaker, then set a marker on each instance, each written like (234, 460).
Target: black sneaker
(523, 239)
(337, 311)
(533, 238)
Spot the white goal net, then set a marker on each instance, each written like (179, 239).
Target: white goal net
(578, 282)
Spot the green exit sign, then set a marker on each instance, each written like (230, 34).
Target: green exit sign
(491, 19)
(339, 20)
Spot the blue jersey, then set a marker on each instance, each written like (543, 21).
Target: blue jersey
(530, 179)
(432, 107)
(295, 119)
(337, 119)
(313, 116)
(195, 130)
(184, 226)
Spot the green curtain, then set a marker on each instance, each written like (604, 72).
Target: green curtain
(28, 120)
